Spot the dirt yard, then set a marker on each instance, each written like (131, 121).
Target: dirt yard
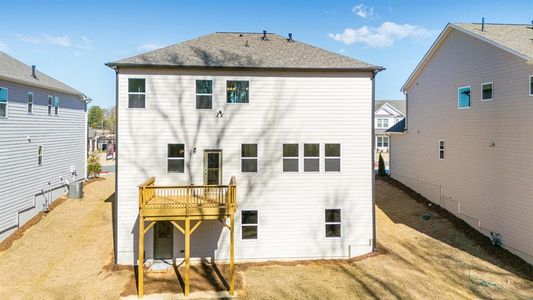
(67, 255)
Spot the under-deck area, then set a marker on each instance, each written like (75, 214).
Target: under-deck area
(192, 205)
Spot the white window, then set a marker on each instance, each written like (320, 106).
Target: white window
(382, 142)
(204, 94)
(332, 157)
(487, 91)
(531, 85)
(249, 158)
(56, 105)
(30, 102)
(382, 123)
(249, 224)
(40, 155)
(333, 223)
(463, 97)
(176, 158)
(441, 149)
(311, 157)
(136, 93)
(50, 100)
(3, 102)
(290, 157)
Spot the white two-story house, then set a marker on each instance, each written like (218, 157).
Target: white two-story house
(292, 123)
(387, 114)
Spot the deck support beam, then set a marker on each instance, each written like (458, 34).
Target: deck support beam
(187, 255)
(232, 256)
(140, 263)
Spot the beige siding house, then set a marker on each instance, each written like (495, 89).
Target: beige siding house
(291, 122)
(466, 144)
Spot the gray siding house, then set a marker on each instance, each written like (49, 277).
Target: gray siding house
(466, 142)
(42, 141)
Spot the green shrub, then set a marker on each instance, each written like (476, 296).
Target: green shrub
(381, 166)
(93, 165)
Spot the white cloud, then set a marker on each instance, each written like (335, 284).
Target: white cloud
(149, 47)
(62, 40)
(363, 11)
(86, 43)
(383, 36)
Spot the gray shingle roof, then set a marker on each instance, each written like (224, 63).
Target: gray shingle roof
(518, 37)
(245, 50)
(15, 70)
(398, 104)
(397, 128)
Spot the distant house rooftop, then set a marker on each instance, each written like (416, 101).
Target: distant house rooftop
(245, 51)
(398, 104)
(14, 70)
(397, 128)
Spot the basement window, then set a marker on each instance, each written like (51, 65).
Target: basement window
(487, 91)
(290, 157)
(332, 157)
(3, 102)
(176, 158)
(237, 91)
(333, 223)
(136, 93)
(204, 94)
(30, 102)
(249, 158)
(311, 157)
(249, 224)
(463, 97)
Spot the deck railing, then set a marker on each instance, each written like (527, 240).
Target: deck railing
(188, 198)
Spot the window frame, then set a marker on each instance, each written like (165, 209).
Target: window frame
(250, 225)
(530, 85)
(470, 97)
(56, 106)
(175, 158)
(196, 94)
(442, 149)
(297, 158)
(137, 93)
(40, 155)
(481, 92)
(226, 92)
(311, 157)
(250, 158)
(50, 104)
(382, 137)
(333, 223)
(333, 157)
(30, 103)
(7, 103)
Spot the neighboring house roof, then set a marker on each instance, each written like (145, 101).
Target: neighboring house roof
(516, 39)
(397, 104)
(14, 70)
(244, 50)
(397, 128)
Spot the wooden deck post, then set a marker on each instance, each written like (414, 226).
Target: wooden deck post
(187, 254)
(140, 266)
(232, 255)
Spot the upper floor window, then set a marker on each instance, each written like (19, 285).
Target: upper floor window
(441, 149)
(249, 158)
(237, 91)
(531, 85)
(40, 155)
(383, 123)
(487, 91)
(204, 94)
(290, 157)
(56, 105)
(311, 157)
(332, 157)
(136, 93)
(50, 100)
(463, 97)
(3, 102)
(382, 141)
(176, 158)
(30, 102)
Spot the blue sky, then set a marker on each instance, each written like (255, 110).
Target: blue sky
(71, 40)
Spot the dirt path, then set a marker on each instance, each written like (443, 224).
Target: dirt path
(62, 256)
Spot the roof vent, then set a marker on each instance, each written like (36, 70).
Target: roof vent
(33, 67)
(483, 24)
(290, 38)
(264, 37)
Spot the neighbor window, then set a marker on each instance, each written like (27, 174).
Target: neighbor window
(3, 102)
(441, 149)
(136, 93)
(237, 91)
(290, 157)
(332, 157)
(176, 158)
(249, 158)
(531, 85)
(382, 141)
(463, 97)
(486, 91)
(382, 123)
(249, 224)
(204, 94)
(333, 223)
(311, 157)
(39, 155)
(30, 102)
(56, 105)
(50, 100)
